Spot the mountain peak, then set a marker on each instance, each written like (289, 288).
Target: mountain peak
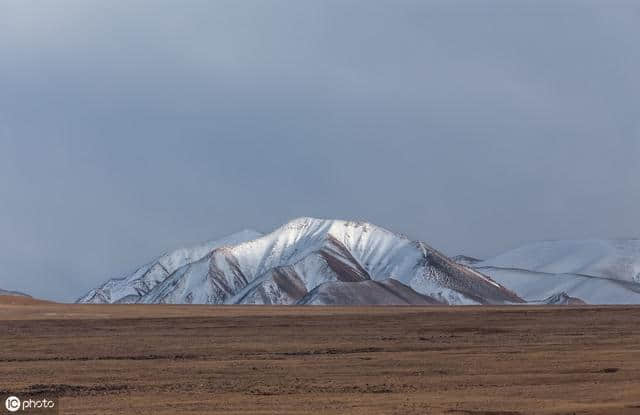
(282, 266)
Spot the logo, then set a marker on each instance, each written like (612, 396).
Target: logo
(15, 404)
(12, 404)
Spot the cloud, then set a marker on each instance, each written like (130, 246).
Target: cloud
(130, 128)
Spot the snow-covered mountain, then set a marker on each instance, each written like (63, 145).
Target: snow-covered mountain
(315, 261)
(306, 261)
(560, 299)
(132, 288)
(595, 271)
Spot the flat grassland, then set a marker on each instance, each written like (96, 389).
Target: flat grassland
(122, 359)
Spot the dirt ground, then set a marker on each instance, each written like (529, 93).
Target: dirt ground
(291, 360)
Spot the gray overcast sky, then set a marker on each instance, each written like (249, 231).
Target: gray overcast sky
(128, 128)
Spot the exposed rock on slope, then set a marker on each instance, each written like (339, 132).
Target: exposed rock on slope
(132, 288)
(562, 299)
(385, 292)
(286, 265)
(466, 260)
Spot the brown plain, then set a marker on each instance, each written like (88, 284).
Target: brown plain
(130, 359)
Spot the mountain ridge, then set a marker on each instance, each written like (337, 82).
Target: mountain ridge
(305, 252)
(332, 257)
(596, 271)
(14, 293)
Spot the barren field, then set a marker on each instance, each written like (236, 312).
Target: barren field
(289, 360)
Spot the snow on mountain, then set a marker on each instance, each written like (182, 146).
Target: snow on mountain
(466, 260)
(132, 288)
(614, 259)
(595, 271)
(533, 286)
(285, 265)
(560, 299)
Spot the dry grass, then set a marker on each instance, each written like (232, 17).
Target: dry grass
(289, 360)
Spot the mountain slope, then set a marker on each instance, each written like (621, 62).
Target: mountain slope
(385, 292)
(285, 265)
(613, 259)
(466, 260)
(595, 271)
(132, 288)
(15, 293)
(561, 299)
